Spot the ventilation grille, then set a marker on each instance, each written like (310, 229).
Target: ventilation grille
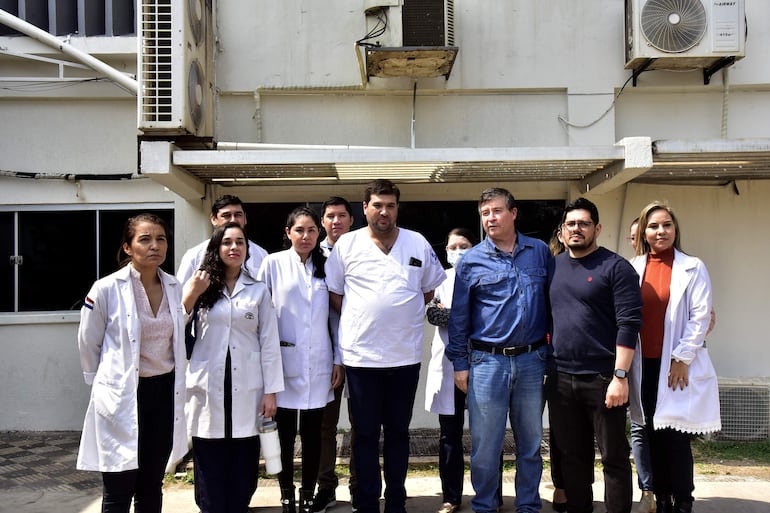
(156, 62)
(745, 412)
(673, 25)
(175, 68)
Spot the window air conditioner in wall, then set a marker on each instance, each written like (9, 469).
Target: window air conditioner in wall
(684, 34)
(409, 38)
(175, 68)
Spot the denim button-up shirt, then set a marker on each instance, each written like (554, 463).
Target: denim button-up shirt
(499, 299)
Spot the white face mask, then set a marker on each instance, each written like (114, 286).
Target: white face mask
(453, 255)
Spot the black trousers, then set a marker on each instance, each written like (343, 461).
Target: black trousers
(155, 406)
(226, 472)
(310, 436)
(578, 416)
(670, 450)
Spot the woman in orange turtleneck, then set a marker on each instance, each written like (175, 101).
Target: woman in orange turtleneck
(680, 395)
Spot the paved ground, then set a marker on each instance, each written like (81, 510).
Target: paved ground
(37, 474)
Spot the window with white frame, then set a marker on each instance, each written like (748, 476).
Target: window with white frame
(71, 17)
(50, 257)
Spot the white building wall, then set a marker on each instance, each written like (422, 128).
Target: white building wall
(527, 74)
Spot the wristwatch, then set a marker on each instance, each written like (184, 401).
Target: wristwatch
(620, 373)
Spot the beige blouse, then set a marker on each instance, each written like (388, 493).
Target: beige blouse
(156, 354)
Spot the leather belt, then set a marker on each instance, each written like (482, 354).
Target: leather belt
(507, 351)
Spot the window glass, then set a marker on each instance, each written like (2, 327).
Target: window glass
(59, 250)
(6, 268)
(64, 252)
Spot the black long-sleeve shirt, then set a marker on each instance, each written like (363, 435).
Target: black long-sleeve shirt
(596, 305)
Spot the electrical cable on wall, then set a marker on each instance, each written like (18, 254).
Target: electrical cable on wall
(566, 122)
(377, 30)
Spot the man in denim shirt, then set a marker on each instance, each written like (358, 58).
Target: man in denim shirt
(497, 344)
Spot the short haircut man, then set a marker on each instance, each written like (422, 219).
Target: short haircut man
(497, 345)
(596, 307)
(225, 209)
(337, 219)
(380, 277)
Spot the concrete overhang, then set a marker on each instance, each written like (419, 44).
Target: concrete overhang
(595, 169)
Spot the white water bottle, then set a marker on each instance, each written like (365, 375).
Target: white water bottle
(271, 446)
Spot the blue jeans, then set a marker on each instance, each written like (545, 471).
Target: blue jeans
(640, 446)
(381, 399)
(503, 388)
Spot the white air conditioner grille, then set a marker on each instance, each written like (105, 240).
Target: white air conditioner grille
(156, 62)
(673, 25)
(745, 412)
(176, 68)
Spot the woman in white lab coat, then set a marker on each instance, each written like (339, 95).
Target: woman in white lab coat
(680, 393)
(296, 280)
(441, 394)
(132, 354)
(233, 375)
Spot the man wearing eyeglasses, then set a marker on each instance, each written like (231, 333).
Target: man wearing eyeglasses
(497, 345)
(597, 309)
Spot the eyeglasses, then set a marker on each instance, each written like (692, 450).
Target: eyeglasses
(583, 225)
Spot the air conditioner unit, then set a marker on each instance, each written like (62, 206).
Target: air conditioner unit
(684, 34)
(409, 38)
(175, 68)
(745, 410)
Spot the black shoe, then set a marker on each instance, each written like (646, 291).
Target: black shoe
(682, 506)
(323, 500)
(663, 504)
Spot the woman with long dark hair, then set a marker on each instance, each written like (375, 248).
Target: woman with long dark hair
(132, 354)
(234, 372)
(296, 280)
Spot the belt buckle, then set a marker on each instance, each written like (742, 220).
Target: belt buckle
(510, 351)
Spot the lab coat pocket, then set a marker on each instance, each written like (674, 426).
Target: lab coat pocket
(109, 396)
(292, 365)
(197, 379)
(254, 379)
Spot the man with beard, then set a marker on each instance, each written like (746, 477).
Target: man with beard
(596, 306)
(380, 277)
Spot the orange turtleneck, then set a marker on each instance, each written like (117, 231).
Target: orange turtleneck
(656, 289)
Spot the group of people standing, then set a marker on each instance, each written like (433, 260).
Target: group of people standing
(278, 335)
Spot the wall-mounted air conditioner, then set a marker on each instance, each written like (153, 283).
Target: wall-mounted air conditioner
(176, 68)
(684, 34)
(409, 38)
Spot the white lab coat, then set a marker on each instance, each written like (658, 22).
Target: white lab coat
(440, 381)
(108, 340)
(302, 304)
(244, 323)
(696, 408)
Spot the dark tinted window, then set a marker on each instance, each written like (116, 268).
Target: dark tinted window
(6, 267)
(62, 253)
(59, 250)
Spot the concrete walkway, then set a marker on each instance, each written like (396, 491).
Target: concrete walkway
(713, 494)
(37, 475)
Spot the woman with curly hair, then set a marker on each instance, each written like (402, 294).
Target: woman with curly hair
(234, 373)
